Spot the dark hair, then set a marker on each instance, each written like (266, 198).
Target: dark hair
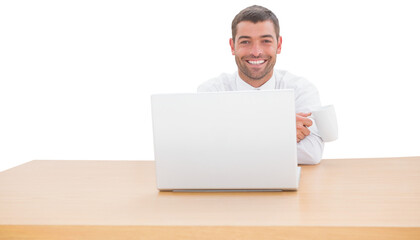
(255, 14)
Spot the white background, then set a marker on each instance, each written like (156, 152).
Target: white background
(76, 76)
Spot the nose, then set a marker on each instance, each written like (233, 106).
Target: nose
(256, 50)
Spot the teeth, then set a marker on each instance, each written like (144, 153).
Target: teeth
(256, 62)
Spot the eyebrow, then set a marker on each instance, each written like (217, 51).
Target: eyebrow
(262, 36)
(267, 36)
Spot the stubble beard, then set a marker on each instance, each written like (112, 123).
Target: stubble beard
(253, 75)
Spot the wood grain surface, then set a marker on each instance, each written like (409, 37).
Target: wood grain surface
(376, 197)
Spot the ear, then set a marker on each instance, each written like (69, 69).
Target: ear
(279, 44)
(232, 46)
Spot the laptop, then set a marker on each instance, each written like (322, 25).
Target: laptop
(225, 141)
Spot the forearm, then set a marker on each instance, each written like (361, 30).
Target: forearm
(309, 150)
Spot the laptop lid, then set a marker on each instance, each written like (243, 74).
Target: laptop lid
(225, 140)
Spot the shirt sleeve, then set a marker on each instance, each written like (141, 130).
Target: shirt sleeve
(207, 87)
(214, 85)
(310, 149)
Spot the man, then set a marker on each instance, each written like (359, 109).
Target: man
(255, 43)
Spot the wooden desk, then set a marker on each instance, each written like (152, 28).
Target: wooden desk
(340, 199)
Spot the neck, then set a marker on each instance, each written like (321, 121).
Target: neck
(255, 82)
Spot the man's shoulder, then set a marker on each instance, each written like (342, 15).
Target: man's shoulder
(306, 94)
(285, 79)
(224, 82)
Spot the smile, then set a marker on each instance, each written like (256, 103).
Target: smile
(256, 62)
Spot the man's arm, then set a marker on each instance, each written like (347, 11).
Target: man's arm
(309, 145)
(302, 124)
(309, 150)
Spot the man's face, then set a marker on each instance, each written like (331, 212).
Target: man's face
(255, 49)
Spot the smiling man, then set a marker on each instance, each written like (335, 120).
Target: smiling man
(255, 43)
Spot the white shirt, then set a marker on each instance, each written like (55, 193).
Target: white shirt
(309, 150)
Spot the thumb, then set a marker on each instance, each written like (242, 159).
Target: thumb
(304, 114)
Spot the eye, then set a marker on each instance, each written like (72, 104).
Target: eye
(244, 42)
(267, 41)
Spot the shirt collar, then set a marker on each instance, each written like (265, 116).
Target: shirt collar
(243, 86)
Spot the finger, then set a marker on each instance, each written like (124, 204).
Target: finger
(306, 131)
(300, 135)
(299, 125)
(299, 118)
(297, 140)
(307, 122)
(304, 114)
(303, 120)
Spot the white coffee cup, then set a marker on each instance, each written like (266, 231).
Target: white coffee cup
(326, 122)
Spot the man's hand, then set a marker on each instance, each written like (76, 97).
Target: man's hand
(302, 124)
